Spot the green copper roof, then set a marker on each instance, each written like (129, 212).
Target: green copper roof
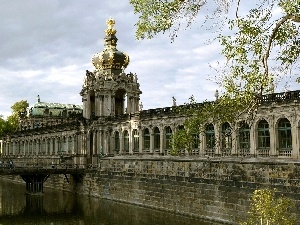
(56, 106)
(54, 109)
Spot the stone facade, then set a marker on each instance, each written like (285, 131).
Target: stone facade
(112, 122)
(127, 149)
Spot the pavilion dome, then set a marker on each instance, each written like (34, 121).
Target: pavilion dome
(110, 57)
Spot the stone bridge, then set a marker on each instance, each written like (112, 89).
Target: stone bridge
(35, 175)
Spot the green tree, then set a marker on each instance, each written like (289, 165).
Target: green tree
(18, 110)
(267, 209)
(2, 125)
(261, 47)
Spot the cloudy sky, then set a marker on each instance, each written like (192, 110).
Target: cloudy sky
(46, 46)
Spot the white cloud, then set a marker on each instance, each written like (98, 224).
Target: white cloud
(47, 46)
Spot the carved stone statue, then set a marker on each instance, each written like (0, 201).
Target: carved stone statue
(141, 106)
(217, 94)
(174, 101)
(135, 78)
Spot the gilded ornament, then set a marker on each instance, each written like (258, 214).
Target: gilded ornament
(111, 58)
(126, 60)
(110, 27)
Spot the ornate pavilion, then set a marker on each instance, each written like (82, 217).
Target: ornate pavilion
(111, 122)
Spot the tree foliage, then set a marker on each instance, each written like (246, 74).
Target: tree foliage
(261, 46)
(12, 121)
(267, 209)
(160, 16)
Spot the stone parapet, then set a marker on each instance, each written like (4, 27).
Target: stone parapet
(215, 189)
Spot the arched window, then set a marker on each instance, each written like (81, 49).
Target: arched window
(156, 138)
(135, 135)
(226, 136)
(263, 134)
(210, 136)
(117, 142)
(92, 103)
(284, 134)
(244, 138)
(146, 139)
(120, 102)
(168, 137)
(180, 127)
(126, 141)
(195, 141)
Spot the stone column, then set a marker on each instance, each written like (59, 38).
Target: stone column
(106, 106)
(5, 147)
(105, 141)
(109, 105)
(112, 100)
(97, 104)
(129, 103)
(23, 147)
(88, 106)
(110, 143)
(141, 140)
(73, 144)
(99, 143)
(77, 143)
(202, 143)
(121, 142)
(13, 148)
(81, 138)
(38, 146)
(56, 140)
(218, 139)
(151, 140)
(3, 150)
(94, 150)
(84, 144)
(273, 137)
(130, 142)
(162, 138)
(46, 146)
(235, 141)
(66, 138)
(253, 140)
(51, 146)
(101, 102)
(295, 138)
(133, 105)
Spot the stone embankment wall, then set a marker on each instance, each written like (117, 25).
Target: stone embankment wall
(216, 189)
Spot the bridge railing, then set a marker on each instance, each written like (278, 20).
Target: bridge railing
(4, 166)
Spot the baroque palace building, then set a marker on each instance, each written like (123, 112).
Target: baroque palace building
(111, 122)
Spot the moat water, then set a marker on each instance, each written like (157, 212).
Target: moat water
(62, 208)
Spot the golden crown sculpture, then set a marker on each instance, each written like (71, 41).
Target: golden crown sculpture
(110, 30)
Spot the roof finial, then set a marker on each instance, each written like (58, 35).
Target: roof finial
(110, 27)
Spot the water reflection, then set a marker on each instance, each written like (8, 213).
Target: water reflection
(65, 208)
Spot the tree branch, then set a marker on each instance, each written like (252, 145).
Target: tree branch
(237, 9)
(265, 57)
